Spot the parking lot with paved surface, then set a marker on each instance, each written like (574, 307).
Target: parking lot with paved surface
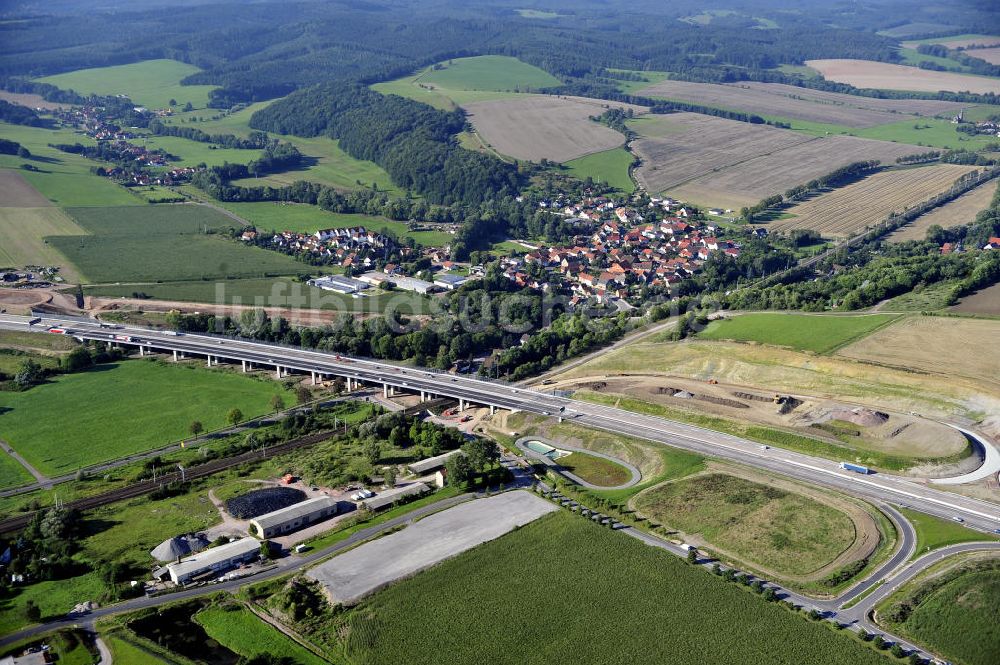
(349, 577)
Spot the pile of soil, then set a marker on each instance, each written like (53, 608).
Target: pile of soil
(258, 502)
(861, 417)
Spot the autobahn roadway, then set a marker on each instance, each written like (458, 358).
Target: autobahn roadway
(879, 488)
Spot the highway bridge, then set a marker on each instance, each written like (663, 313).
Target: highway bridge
(250, 355)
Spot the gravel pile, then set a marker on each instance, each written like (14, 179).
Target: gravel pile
(258, 502)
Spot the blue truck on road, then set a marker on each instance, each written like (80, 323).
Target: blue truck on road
(856, 468)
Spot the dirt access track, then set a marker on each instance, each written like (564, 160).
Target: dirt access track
(867, 535)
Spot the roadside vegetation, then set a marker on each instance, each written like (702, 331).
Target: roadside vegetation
(934, 532)
(595, 470)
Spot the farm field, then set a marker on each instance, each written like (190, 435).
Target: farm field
(714, 161)
(886, 76)
(326, 164)
(193, 153)
(488, 72)
(954, 213)
(140, 396)
(935, 345)
(610, 166)
(790, 534)
(24, 232)
(990, 55)
(957, 41)
(237, 629)
(985, 301)
(787, 101)
(853, 208)
(802, 332)
(476, 609)
(304, 218)
(164, 243)
(62, 178)
(915, 28)
(263, 292)
(29, 100)
(152, 83)
(536, 127)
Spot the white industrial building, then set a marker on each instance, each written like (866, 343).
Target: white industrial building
(294, 517)
(405, 283)
(425, 466)
(214, 560)
(338, 283)
(450, 282)
(389, 497)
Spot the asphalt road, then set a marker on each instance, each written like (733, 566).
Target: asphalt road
(880, 488)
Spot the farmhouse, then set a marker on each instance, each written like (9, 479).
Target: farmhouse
(389, 497)
(214, 560)
(294, 517)
(339, 283)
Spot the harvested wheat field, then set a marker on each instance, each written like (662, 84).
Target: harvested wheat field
(985, 301)
(536, 127)
(751, 180)
(882, 75)
(680, 147)
(16, 192)
(867, 202)
(954, 213)
(965, 42)
(29, 100)
(788, 101)
(946, 346)
(990, 55)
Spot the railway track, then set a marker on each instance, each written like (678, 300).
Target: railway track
(147, 486)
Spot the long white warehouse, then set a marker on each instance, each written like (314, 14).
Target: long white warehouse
(294, 517)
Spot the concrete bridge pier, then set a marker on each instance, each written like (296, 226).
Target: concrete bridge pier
(461, 404)
(142, 351)
(385, 390)
(175, 355)
(209, 362)
(277, 371)
(312, 375)
(493, 409)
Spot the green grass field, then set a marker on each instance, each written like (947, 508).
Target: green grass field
(595, 470)
(239, 630)
(610, 166)
(54, 598)
(635, 87)
(63, 178)
(564, 590)
(772, 528)
(152, 83)
(165, 243)
(934, 532)
(193, 153)
(278, 292)
(819, 334)
(116, 410)
(488, 72)
(12, 473)
(24, 232)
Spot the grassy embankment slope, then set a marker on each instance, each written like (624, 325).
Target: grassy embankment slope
(619, 592)
(237, 629)
(818, 334)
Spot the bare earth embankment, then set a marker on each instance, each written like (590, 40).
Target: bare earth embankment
(536, 127)
(886, 76)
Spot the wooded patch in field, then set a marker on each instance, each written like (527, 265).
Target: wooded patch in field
(867, 202)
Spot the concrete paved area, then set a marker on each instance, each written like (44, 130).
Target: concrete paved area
(349, 577)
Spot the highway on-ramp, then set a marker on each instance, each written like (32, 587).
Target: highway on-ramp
(880, 488)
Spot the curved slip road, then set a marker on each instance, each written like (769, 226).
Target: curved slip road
(521, 444)
(991, 460)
